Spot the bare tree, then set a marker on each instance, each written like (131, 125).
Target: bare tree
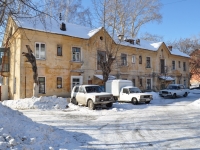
(195, 65)
(151, 37)
(127, 17)
(186, 45)
(72, 11)
(31, 59)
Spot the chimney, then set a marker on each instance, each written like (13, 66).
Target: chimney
(131, 41)
(63, 27)
(170, 48)
(121, 37)
(138, 41)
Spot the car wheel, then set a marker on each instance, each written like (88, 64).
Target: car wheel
(186, 94)
(73, 101)
(109, 105)
(147, 102)
(91, 105)
(134, 101)
(174, 95)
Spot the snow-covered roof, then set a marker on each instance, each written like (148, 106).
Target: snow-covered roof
(53, 26)
(167, 78)
(101, 77)
(178, 53)
(74, 30)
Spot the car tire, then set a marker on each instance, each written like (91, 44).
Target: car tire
(73, 101)
(147, 102)
(186, 94)
(109, 105)
(174, 95)
(91, 105)
(134, 101)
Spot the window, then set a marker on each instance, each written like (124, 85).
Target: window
(133, 80)
(41, 81)
(101, 57)
(133, 59)
(148, 84)
(140, 59)
(123, 59)
(184, 66)
(179, 64)
(125, 91)
(59, 50)
(40, 50)
(59, 82)
(173, 65)
(162, 66)
(140, 82)
(148, 62)
(184, 82)
(76, 80)
(76, 54)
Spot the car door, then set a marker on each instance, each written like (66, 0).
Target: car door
(81, 96)
(124, 95)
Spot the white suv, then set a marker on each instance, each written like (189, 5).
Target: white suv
(91, 96)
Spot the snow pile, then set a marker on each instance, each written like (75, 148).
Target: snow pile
(43, 102)
(19, 132)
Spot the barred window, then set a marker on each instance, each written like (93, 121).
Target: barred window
(123, 59)
(59, 82)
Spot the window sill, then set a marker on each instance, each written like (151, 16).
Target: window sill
(42, 93)
(76, 61)
(40, 59)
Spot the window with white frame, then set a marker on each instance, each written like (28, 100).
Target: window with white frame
(59, 82)
(76, 80)
(133, 59)
(41, 82)
(123, 59)
(173, 65)
(148, 62)
(40, 50)
(76, 54)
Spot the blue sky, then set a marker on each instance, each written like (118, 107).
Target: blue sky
(180, 19)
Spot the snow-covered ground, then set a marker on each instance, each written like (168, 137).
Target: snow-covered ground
(51, 123)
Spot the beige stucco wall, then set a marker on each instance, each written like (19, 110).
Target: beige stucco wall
(62, 66)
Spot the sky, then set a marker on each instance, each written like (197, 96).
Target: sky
(180, 19)
(46, 123)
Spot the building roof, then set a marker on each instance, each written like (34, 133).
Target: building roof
(78, 31)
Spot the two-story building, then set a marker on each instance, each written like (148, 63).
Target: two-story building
(66, 55)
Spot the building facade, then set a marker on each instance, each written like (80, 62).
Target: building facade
(68, 57)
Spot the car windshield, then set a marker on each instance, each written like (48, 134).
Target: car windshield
(134, 90)
(93, 89)
(172, 87)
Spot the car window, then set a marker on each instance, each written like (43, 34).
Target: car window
(76, 89)
(81, 90)
(125, 91)
(134, 90)
(93, 89)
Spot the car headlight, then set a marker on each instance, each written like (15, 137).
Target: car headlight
(97, 98)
